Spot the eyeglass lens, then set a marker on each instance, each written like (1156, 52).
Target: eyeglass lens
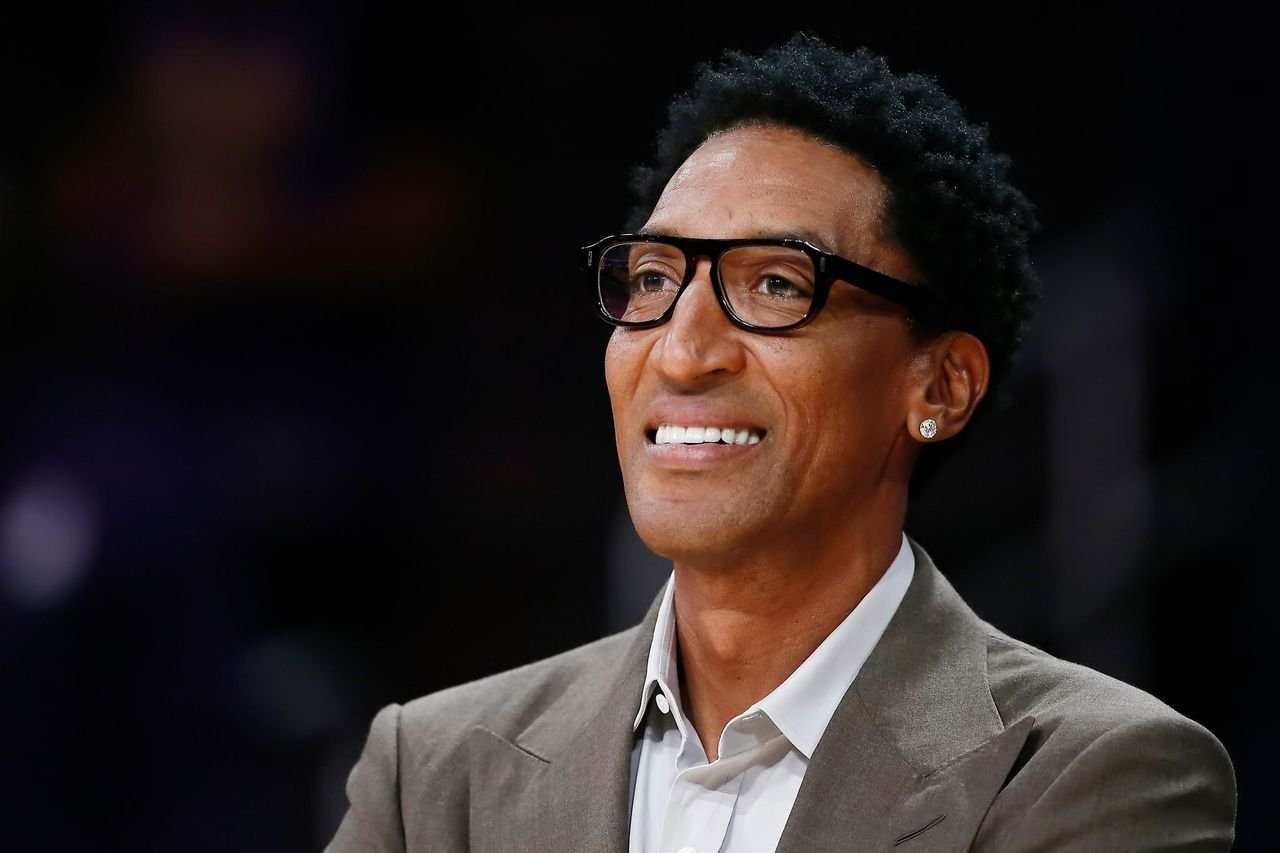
(766, 286)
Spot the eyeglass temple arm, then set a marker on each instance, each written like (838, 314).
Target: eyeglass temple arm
(919, 301)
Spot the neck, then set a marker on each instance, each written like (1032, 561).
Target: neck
(742, 632)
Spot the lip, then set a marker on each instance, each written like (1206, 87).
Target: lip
(697, 456)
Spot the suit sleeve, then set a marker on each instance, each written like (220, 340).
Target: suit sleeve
(373, 821)
(1159, 784)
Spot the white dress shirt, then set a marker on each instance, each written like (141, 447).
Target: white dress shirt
(739, 803)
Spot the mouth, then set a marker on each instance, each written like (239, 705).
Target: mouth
(665, 434)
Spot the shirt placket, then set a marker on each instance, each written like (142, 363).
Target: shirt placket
(699, 810)
(703, 797)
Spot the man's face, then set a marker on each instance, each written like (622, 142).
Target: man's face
(828, 401)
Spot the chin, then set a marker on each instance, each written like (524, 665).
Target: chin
(683, 536)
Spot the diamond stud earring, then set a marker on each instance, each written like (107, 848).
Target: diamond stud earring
(928, 428)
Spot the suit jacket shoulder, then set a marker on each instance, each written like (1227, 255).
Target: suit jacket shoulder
(512, 703)
(437, 770)
(956, 737)
(1105, 765)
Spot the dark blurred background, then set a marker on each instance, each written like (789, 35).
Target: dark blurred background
(282, 443)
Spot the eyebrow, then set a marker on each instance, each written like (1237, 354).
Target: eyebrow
(807, 236)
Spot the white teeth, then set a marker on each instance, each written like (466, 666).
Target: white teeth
(673, 434)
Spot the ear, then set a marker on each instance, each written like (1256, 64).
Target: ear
(954, 373)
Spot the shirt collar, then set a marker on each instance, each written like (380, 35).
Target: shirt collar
(802, 705)
(662, 655)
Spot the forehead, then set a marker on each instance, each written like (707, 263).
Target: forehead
(771, 181)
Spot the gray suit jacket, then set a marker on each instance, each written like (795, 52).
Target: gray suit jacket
(953, 737)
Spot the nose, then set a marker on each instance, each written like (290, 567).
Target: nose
(699, 343)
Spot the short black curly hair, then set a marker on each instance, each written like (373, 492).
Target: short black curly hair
(950, 204)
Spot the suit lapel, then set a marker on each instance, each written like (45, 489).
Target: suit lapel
(840, 804)
(916, 750)
(942, 810)
(564, 783)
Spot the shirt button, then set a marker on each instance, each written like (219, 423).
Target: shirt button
(687, 850)
(664, 706)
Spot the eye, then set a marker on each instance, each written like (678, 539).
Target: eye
(781, 287)
(652, 280)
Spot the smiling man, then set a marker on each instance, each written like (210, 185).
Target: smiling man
(827, 273)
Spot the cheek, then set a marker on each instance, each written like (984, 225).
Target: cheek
(622, 358)
(856, 397)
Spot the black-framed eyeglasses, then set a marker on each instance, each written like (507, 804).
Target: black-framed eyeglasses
(763, 285)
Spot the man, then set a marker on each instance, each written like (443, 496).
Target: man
(830, 273)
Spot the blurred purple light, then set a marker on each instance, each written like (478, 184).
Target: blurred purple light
(48, 536)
